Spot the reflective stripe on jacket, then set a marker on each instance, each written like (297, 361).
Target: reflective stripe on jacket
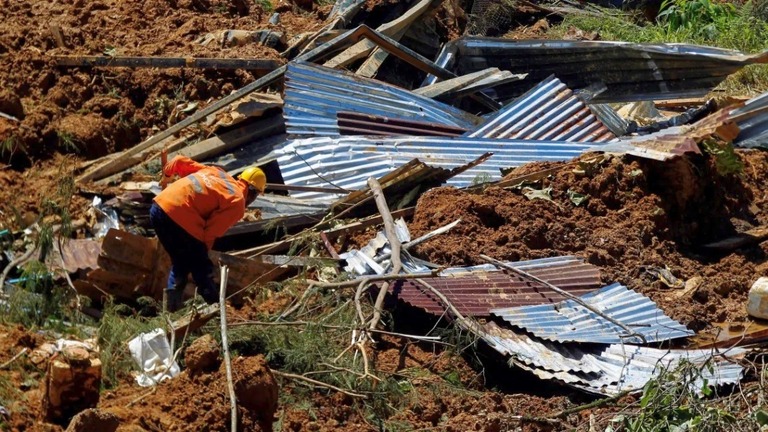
(206, 202)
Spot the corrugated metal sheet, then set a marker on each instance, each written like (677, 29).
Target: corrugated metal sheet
(609, 369)
(477, 293)
(347, 162)
(752, 119)
(414, 174)
(80, 254)
(630, 71)
(314, 95)
(569, 321)
(610, 118)
(365, 124)
(549, 111)
(678, 140)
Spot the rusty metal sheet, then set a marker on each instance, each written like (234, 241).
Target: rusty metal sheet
(678, 140)
(476, 293)
(548, 111)
(351, 123)
(80, 254)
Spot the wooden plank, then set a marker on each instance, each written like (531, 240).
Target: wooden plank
(258, 65)
(751, 237)
(213, 146)
(194, 320)
(453, 84)
(391, 29)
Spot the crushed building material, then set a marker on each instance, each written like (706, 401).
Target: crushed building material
(548, 111)
(611, 369)
(314, 95)
(347, 162)
(475, 292)
(630, 71)
(568, 321)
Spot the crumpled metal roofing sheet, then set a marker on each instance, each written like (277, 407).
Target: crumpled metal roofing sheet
(549, 111)
(477, 293)
(348, 161)
(314, 95)
(80, 254)
(608, 369)
(569, 321)
(630, 71)
(752, 119)
(366, 124)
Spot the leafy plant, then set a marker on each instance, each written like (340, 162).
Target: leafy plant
(728, 162)
(68, 142)
(704, 18)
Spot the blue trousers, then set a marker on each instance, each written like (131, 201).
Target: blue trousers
(188, 255)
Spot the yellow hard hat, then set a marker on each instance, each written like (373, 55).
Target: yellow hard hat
(255, 177)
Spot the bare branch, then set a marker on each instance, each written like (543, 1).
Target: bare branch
(225, 345)
(318, 383)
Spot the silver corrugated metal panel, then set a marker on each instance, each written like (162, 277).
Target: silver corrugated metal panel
(610, 118)
(348, 161)
(551, 111)
(274, 206)
(630, 71)
(608, 369)
(542, 354)
(753, 122)
(569, 321)
(314, 95)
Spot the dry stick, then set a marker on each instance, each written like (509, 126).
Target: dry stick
(318, 383)
(394, 245)
(14, 263)
(422, 239)
(21, 353)
(225, 344)
(368, 279)
(433, 339)
(358, 306)
(564, 293)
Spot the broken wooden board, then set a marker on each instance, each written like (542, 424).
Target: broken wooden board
(748, 238)
(259, 66)
(437, 89)
(194, 320)
(392, 29)
(213, 146)
(132, 266)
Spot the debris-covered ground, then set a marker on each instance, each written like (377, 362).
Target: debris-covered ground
(679, 217)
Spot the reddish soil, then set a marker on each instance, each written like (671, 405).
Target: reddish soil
(19, 389)
(639, 215)
(199, 402)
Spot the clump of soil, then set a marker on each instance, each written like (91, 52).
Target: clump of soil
(202, 355)
(639, 215)
(200, 401)
(93, 420)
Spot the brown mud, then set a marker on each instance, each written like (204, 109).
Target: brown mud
(639, 216)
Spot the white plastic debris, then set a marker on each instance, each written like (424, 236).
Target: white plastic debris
(106, 218)
(152, 352)
(757, 302)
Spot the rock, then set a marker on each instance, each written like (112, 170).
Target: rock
(202, 355)
(94, 420)
(71, 387)
(255, 387)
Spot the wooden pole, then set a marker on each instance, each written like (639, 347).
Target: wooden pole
(225, 345)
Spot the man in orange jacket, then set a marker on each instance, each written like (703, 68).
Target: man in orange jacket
(192, 212)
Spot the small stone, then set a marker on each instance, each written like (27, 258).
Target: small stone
(94, 420)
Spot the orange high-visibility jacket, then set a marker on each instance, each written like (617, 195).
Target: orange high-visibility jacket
(206, 201)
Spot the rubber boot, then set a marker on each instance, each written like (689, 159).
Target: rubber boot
(174, 299)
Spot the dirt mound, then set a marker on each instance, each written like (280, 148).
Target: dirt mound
(94, 420)
(200, 401)
(637, 216)
(202, 355)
